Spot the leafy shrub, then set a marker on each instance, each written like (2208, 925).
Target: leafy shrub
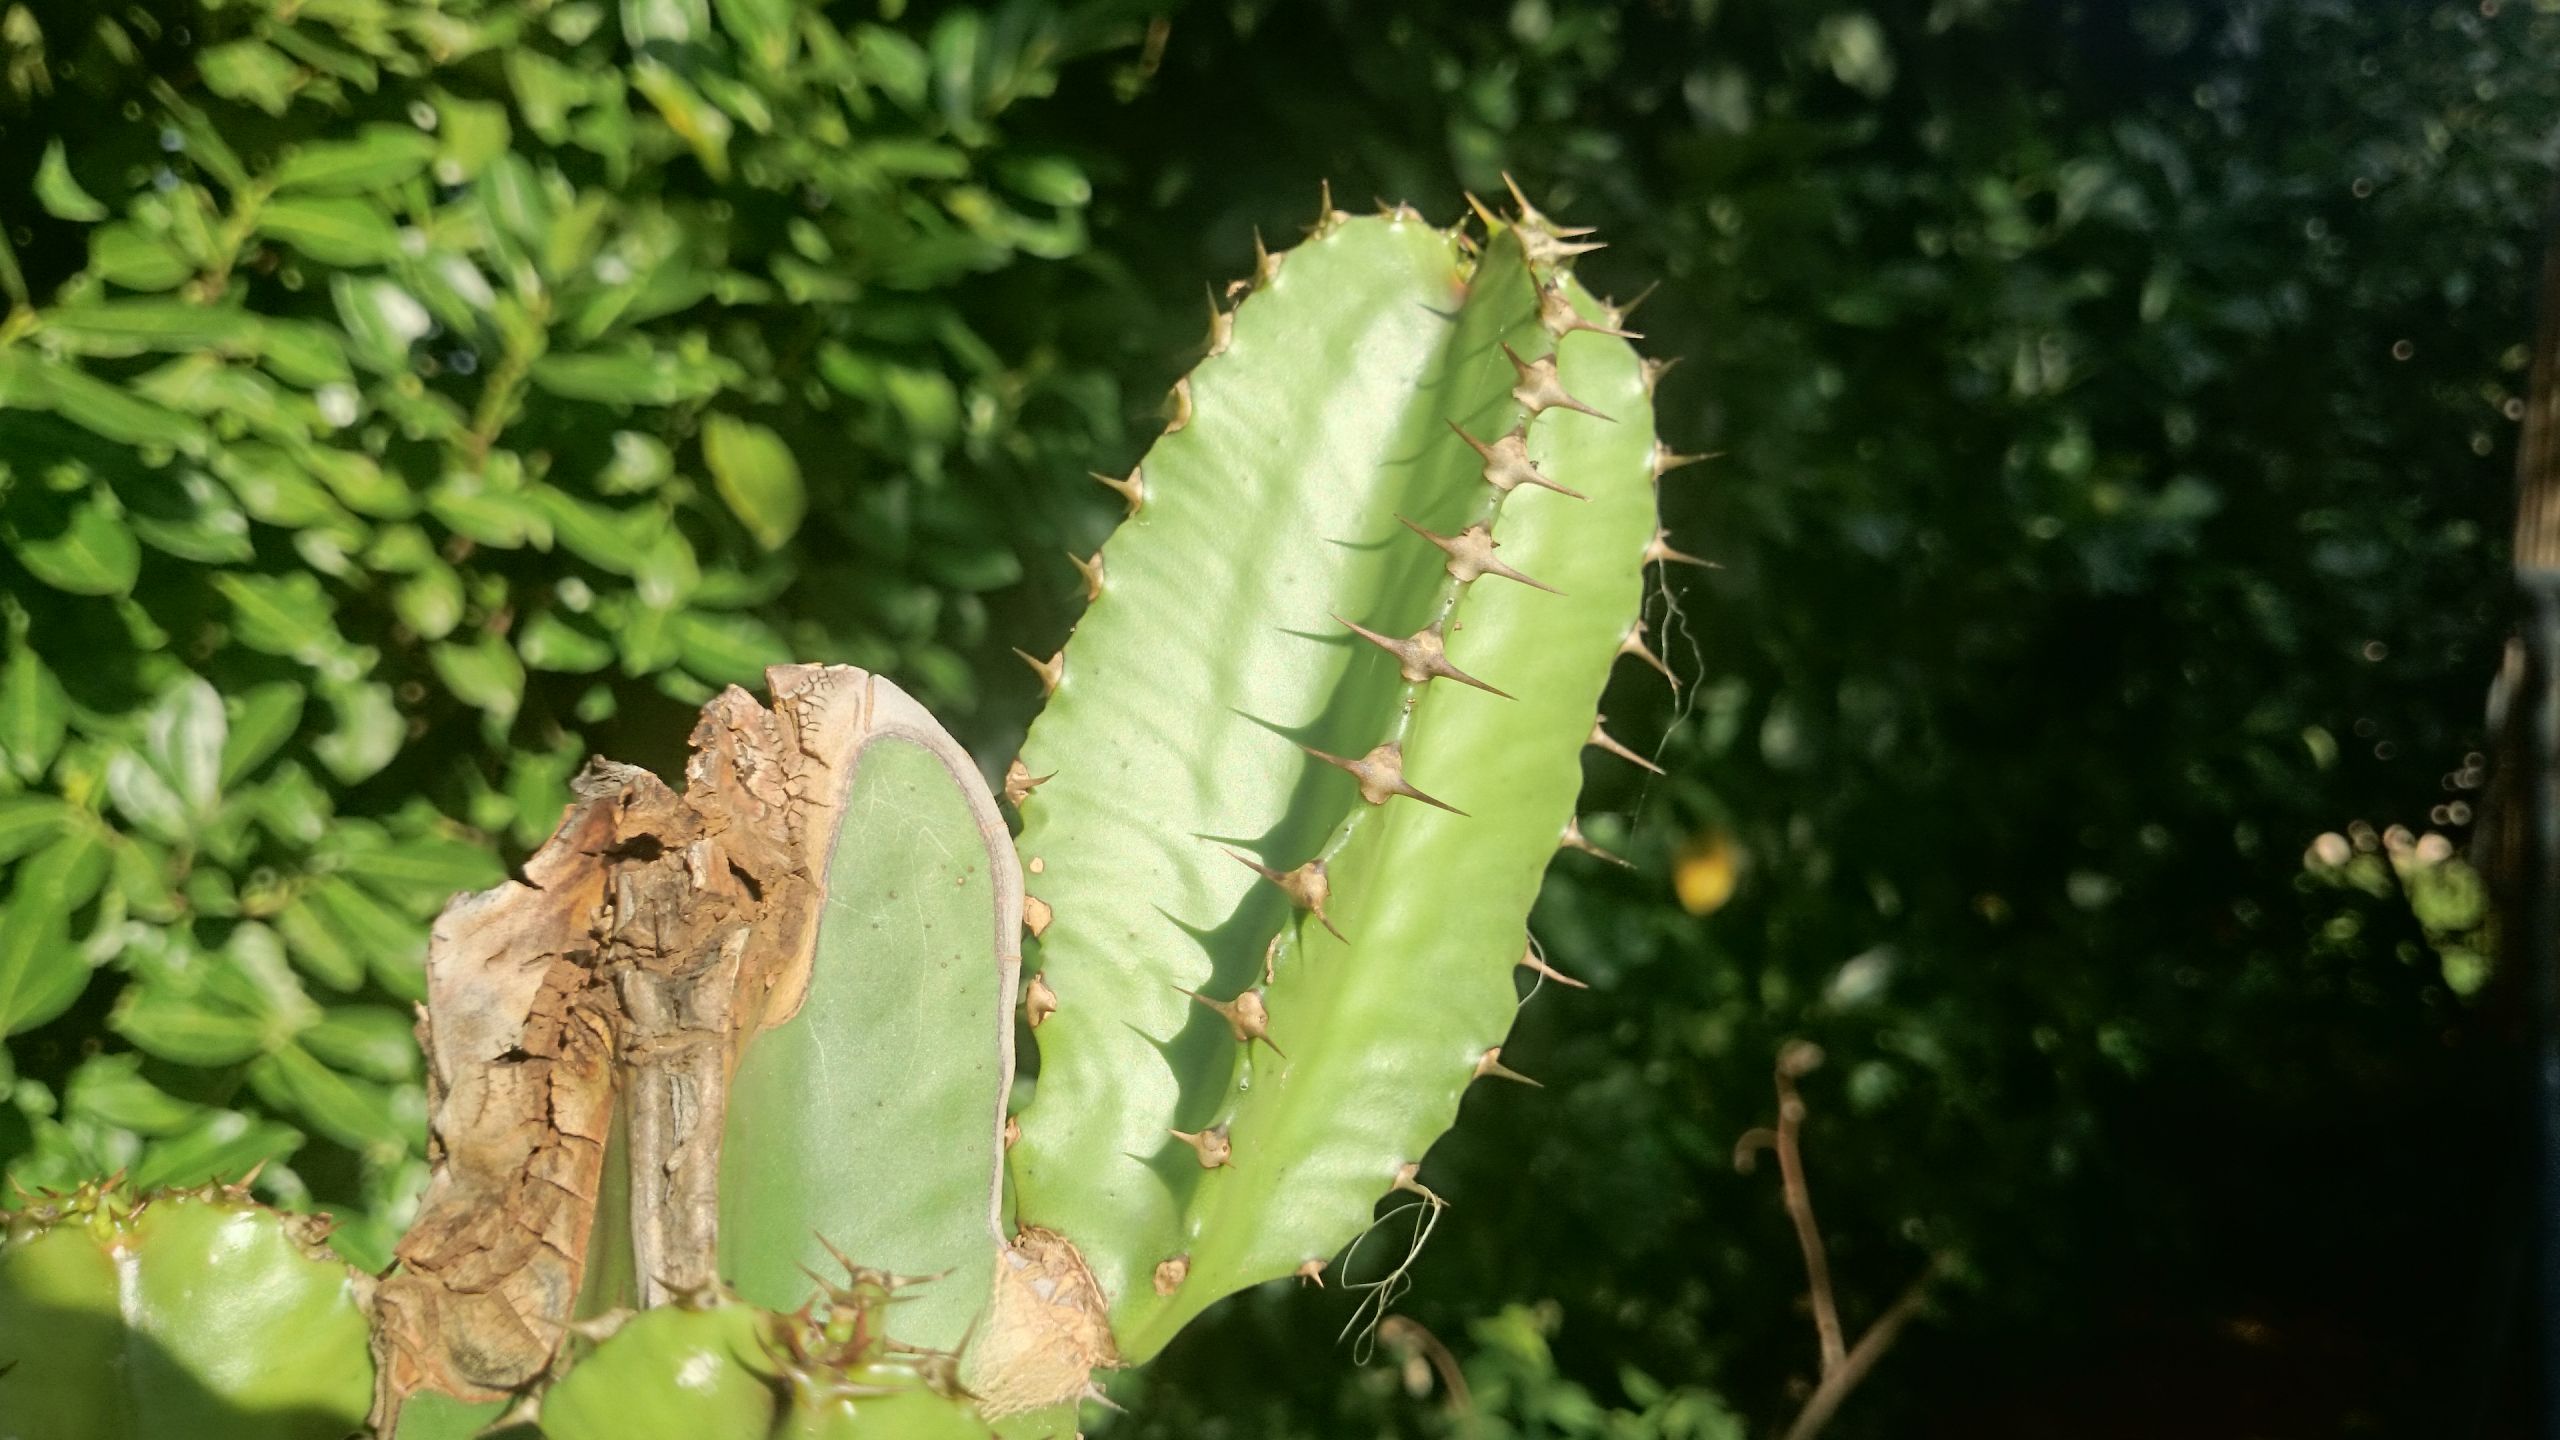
(394, 401)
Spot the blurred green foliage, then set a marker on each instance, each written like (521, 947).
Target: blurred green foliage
(2116, 403)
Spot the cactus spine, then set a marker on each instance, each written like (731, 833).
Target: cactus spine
(1398, 529)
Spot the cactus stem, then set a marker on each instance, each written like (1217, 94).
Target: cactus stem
(1091, 570)
(1470, 553)
(1019, 782)
(1634, 645)
(1507, 466)
(1036, 915)
(1666, 460)
(1171, 1274)
(1539, 390)
(1558, 318)
(1490, 1063)
(1307, 888)
(1407, 1181)
(1605, 741)
(1181, 401)
(1039, 1002)
(1211, 1145)
(1381, 775)
(1574, 839)
(1311, 1272)
(1659, 551)
(1245, 1015)
(1421, 656)
(1051, 671)
(1531, 960)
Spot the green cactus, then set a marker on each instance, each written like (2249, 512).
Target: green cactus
(1237, 1060)
(193, 1315)
(719, 1045)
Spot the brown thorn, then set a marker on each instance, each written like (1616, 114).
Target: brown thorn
(1490, 1063)
(1051, 671)
(1091, 570)
(1170, 1274)
(1573, 839)
(1618, 313)
(1246, 1016)
(1654, 370)
(1180, 402)
(1266, 266)
(1211, 1145)
(1381, 775)
(1484, 212)
(1539, 390)
(1507, 465)
(1558, 318)
(1012, 1130)
(1531, 960)
(1634, 645)
(1529, 214)
(1039, 1002)
(1665, 459)
(1307, 888)
(1222, 326)
(1036, 916)
(1019, 782)
(1407, 1180)
(1133, 489)
(1326, 216)
(1420, 657)
(1659, 552)
(1470, 553)
(1312, 1271)
(1604, 740)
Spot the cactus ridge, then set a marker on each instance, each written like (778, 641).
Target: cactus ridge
(1404, 461)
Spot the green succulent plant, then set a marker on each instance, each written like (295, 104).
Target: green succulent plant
(1303, 767)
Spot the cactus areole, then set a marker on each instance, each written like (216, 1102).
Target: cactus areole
(739, 1058)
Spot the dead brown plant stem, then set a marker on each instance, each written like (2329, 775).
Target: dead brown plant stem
(1793, 1061)
(1838, 1382)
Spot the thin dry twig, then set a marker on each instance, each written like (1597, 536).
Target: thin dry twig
(1843, 1366)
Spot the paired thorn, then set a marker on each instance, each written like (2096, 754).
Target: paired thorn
(1039, 1002)
(1490, 1063)
(1470, 553)
(1539, 390)
(1507, 465)
(1604, 740)
(1212, 1146)
(1407, 1181)
(1558, 318)
(1307, 888)
(1574, 839)
(1381, 775)
(1617, 314)
(1051, 671)
(1659, 552)
(1246, 1016)
(1311, 1272)
(1091, 570)
(1420, 657)
(1634, 645)
(1133, 489)
(1542, 240)
(1036, 915)
(1531, 960)
(1019, 782)
(1654, 370)
(1326, 216)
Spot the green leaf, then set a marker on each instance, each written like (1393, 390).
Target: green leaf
(223, 1145)
(304, 352)
(757, 477)
(474, 133)
(382, 320)
(426, 870)
(695, 120)
(430, 600)
(373, 1041)
(184, 735)
(250, 71)
(352, 1112)
(728, 649)
(332, 230)
(110, 1088)
(552, 641)
(34, 714)
(82, 546)
(193, 519)
(28, 822)
(59, 194)
(135, 327)
(263, 718)
(115, 413)
(317, 945)
(41, 971)
(391, 945)
(380, 157)
(764, 29)
(633, 377)
(180, 1027)
(288, 615)
(125, 254)
(145, 797)
(367, 734)
(484, 674)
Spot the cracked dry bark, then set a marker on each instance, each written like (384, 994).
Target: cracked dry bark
(648, 941)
